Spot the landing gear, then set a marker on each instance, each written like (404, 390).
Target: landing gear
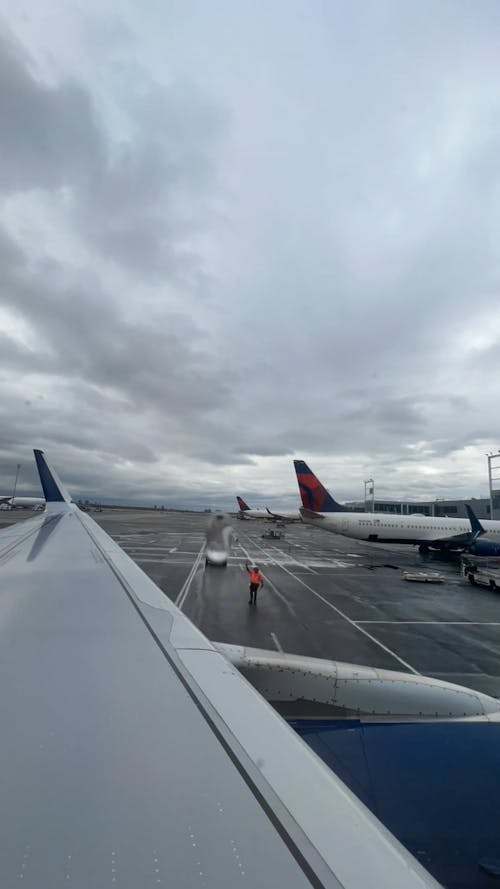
(423, 549)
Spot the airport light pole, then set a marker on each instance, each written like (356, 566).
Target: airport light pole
(15, 481)
(370, 490)
(493, 476)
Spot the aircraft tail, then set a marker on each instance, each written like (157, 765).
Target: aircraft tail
(242, 505)
(314, 495)
(476, 526)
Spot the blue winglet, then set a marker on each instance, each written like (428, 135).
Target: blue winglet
(53, 489)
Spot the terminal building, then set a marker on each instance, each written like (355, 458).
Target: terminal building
(445, 508)
(483, 507)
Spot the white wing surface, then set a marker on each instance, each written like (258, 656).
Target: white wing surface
(133, 754)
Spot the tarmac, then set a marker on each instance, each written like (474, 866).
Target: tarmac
(324, 595)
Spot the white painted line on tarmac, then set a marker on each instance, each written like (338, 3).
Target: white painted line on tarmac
(353, 624)
(444, 623)
(247, 554)
(280, 596)
(178, 563)
(181, 598)
(179, 552)
(289, 558)
(348, 619)
(276, 641)
(174, 549)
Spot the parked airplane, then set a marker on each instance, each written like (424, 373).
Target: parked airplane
(481, 545)
(267, 514)
(428, 532)
(23, 502)
(247, 513)
(165, 754)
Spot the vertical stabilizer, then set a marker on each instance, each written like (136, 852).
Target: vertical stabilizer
(242, 505)
(314, 495)
(476, 526)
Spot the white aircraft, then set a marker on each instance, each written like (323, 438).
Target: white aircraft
(428, 532)
(266, 514)
(160, 757)
(247, 513)
(23, 502)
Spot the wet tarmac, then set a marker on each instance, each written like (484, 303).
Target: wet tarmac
(324, 596)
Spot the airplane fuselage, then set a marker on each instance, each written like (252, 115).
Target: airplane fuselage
(413, 529)
(23, 502)
(253, 514)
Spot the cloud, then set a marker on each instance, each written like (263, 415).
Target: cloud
(49, 135)
(136, 197)
(214, 259)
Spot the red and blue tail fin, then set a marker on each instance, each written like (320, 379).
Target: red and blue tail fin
(314, 496)
(242, 505)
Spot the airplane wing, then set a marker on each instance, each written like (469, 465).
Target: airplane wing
(135, 754)
(284, 517)
(310, 514)
(456, 541)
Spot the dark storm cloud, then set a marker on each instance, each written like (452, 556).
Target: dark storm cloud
(49, 136)
(141, 207)
(334, 198)
(136, 198)
(82, 334)
(127, 199)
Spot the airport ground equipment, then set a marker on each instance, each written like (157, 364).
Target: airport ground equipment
(423, 576)
(481, 575)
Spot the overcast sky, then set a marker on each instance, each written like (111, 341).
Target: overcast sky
(237, 232)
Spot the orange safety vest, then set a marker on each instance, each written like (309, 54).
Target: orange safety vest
(255, 577)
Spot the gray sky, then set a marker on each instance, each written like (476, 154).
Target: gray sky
(234, 233)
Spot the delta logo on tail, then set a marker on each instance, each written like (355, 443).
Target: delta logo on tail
(242, 505)
(314, 496)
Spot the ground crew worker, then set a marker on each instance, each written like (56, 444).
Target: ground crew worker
(256, 582)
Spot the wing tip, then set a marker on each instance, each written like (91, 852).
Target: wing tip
(52, 488)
